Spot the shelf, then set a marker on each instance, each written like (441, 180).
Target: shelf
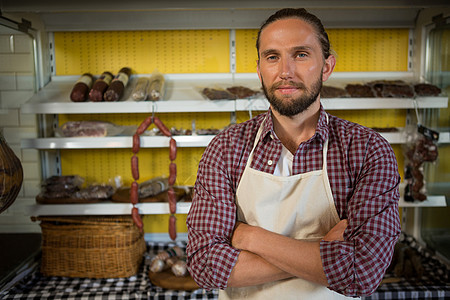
(105, 208)
(114, 142)
(432, 201)
(183, 94)
(112, 208)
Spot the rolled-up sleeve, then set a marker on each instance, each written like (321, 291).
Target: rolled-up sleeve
(356, 266)
(210, 222)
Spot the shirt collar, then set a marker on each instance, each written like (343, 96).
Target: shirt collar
(321, 129)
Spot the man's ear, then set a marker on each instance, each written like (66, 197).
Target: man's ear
(328, 67)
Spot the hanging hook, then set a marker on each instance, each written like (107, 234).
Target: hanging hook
(416, 105)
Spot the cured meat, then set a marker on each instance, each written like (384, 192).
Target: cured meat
(118, 84)
(100, 86)
(156, 87)
(81, 88)
(218, 94)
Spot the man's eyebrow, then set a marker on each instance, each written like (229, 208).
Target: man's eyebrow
(268, 51)
(294, 49)
(302, 48)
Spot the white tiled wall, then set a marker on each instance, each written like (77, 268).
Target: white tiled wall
(16, 87)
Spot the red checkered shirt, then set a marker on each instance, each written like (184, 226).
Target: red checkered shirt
(363, 174)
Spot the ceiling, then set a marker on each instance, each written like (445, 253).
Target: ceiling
(60, 15)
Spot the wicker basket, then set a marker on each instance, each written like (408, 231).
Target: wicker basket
(93, 247)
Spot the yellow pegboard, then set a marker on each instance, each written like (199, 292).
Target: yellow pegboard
(358, 50)
(168, 51)
(160, 223)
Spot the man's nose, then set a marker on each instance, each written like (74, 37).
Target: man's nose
(286, 70)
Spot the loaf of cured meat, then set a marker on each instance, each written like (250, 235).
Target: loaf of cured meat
(100, 86)
(424, 90)
(392, 89)
(360, 91)
(118, 84)
(242, 92)
(333, 92)
(61, 186)
(89, 129)
(81, 88)
(218, 94)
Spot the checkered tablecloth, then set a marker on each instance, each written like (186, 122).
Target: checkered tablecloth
(433, 285)
(37, 286)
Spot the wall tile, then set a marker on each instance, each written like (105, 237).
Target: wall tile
(10, 119)
(16, 63)
(22, 44)
(5, 43)
(28, 120)
(31, 188)
(13, 135)
(7, 81)
(25, 81)
(13, 99)
(31, 171)
(30, 155)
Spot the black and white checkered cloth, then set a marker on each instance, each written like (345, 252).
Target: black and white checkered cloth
(433, 285)
(37, 286)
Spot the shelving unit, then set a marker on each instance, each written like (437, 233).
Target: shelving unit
(184, 95)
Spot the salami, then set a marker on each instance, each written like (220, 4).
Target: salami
(135, 167)
(156, 87)
(118, 84)
(144, 125)
(173, 149)
(100, 86)
(134, 192)
(172, 173)
(136, 143)
(81, 88)
(173, 227)
(137, 218)
(172, 200)
(140, 90)
(164, 130)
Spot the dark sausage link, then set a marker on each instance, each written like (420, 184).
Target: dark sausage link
(134, 192)
(172, 173)
(135, 167)
(136, 143)
(172, 197)
(173, 149)
(164, 130)
(173, 227)
(137, 218)
(144, 125)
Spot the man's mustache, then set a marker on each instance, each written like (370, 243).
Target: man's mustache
(298, 85)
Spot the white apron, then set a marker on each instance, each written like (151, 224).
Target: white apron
(299, 206)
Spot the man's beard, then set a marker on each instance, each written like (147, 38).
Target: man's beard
(291, 107)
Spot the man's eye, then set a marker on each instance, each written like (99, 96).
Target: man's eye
(271, 57)
(302, 55)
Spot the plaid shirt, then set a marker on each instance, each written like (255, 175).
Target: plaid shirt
(364, 178)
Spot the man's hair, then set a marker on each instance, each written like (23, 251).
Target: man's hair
(302, 14)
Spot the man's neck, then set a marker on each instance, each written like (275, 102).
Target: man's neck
(292, 131)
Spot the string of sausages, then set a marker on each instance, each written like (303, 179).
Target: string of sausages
(134, 191)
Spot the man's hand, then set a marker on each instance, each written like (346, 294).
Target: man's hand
(337, 232)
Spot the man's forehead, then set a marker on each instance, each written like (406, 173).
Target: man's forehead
(291, 27)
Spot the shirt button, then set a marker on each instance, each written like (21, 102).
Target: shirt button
(270, 162)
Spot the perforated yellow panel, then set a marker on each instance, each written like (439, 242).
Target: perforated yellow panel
(174, 51)
(200, 51)
(358, 50)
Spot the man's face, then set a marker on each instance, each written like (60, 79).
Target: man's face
(291, 65)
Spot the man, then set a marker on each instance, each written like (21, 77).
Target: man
(294, 203)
